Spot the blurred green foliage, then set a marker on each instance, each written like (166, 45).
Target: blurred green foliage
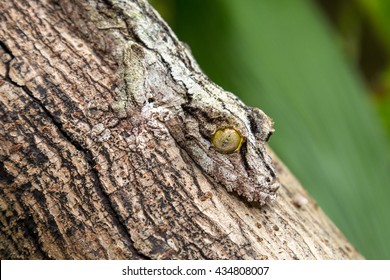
(286, 58)
(377, 13)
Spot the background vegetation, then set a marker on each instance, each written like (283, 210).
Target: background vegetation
(320, 69)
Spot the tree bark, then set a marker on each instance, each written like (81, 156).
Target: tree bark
(84, 176)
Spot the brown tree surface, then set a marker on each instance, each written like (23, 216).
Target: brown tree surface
(90, 167)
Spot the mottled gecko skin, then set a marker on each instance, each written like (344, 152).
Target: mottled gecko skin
(193, 113)
(247, 171)
(168, 86)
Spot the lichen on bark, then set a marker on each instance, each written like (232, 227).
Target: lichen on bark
(99, 103)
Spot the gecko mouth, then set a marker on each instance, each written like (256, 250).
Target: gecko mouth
(269, 185)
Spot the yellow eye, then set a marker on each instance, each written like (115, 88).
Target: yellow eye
(227, 140)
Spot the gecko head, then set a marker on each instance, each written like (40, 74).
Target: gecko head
(226, 139)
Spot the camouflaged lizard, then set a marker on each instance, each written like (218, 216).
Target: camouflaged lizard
(223, 136)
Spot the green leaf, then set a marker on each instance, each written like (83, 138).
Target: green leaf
(378, 14)
(282, 57)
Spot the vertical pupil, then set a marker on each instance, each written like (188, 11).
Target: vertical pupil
(227, 139)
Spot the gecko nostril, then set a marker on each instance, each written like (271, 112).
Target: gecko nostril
(268, 136)
(260, 124)
(255, 128)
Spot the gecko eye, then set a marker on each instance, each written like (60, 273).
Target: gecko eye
(227, 140)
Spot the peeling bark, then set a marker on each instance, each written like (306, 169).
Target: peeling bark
(87, 173)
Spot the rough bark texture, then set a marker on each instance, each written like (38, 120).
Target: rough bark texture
(85, 175)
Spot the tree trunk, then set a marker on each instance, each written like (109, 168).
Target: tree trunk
(100, 157)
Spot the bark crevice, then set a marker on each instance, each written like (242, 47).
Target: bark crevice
(98, 162)
(86, 154)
